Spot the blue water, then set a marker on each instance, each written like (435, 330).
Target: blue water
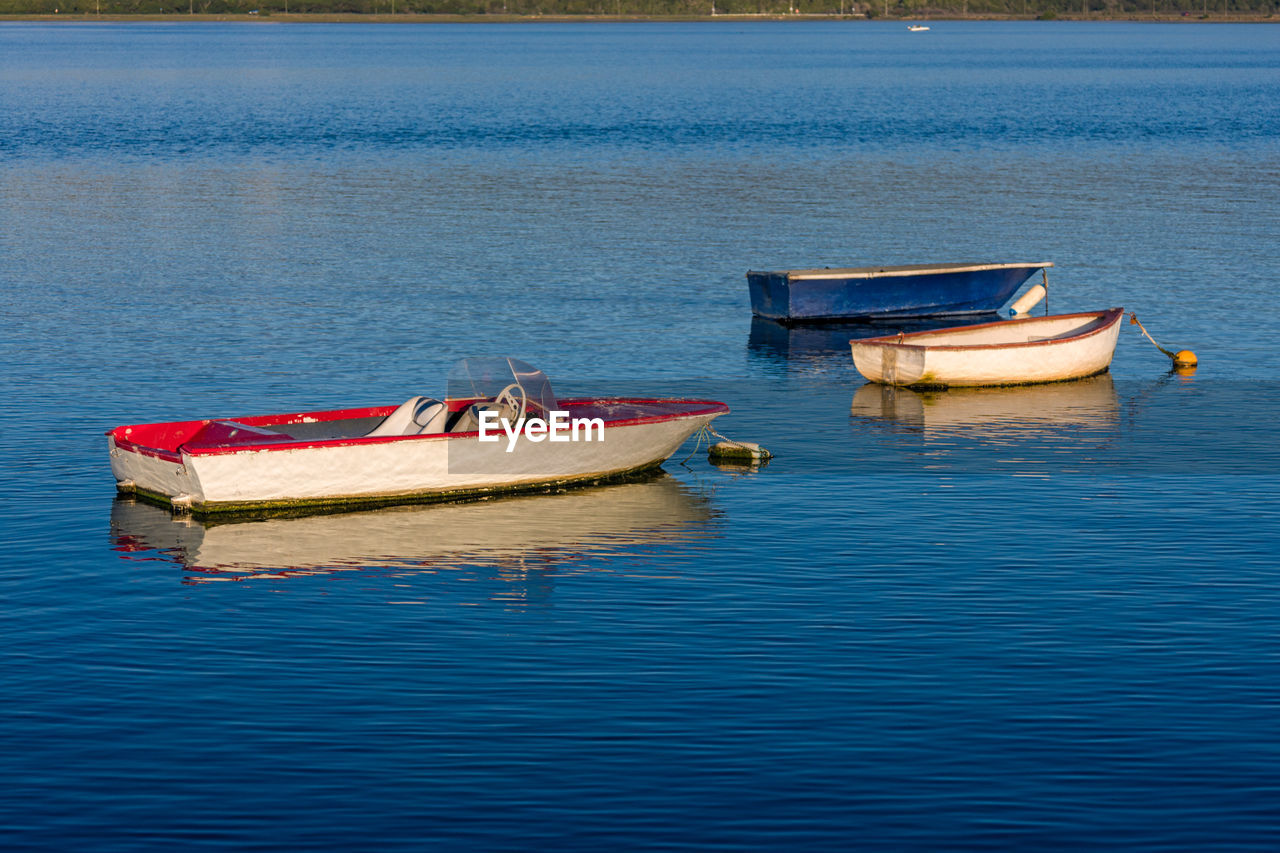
(1027, 619)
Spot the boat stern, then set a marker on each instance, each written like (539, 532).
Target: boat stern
(890, 364)
(155, 473)
(770, 294)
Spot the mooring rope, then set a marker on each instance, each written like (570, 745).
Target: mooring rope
(1183, 360)
(726, 438)
(700, 435)
(1133, 321)
(706, 432)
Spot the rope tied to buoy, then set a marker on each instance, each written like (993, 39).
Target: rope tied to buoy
(1181, 358)
(727, 448)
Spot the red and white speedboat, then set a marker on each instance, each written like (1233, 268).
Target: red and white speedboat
(500, 429)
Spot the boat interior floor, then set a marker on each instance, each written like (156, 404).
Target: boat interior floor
(324, 430)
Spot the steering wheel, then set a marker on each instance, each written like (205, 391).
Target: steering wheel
(508, 401)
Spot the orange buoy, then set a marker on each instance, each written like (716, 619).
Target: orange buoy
(1182, 359)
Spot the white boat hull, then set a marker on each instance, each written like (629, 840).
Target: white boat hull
(1011, 352)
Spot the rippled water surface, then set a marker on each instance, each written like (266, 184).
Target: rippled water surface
(1015, 618)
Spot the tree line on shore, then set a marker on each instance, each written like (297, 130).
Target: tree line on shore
(1100, 9)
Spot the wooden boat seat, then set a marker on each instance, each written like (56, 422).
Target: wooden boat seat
(416, 416)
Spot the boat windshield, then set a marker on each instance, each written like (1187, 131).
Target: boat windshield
(490, 377)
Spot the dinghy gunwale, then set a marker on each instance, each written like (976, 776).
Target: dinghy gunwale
(1102, 321)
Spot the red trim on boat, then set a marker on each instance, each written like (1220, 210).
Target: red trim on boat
(178, 433)
(315, 417)
(142, 450)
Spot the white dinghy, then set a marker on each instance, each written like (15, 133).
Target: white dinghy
(1011, 352)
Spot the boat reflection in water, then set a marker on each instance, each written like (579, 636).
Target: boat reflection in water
(1068, 411)
(508, 538)
(824, 347)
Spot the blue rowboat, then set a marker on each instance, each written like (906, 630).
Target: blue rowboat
(920, 290)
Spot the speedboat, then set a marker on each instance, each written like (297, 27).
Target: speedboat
(499, 429)
(1052, 348)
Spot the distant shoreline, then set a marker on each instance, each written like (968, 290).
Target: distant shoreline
(358, 18)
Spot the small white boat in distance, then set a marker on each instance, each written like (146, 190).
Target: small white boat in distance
(1011, 352)
(500, 429)
(918, 28)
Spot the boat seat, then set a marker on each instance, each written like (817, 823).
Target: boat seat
(416, 416)
(468, 420)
